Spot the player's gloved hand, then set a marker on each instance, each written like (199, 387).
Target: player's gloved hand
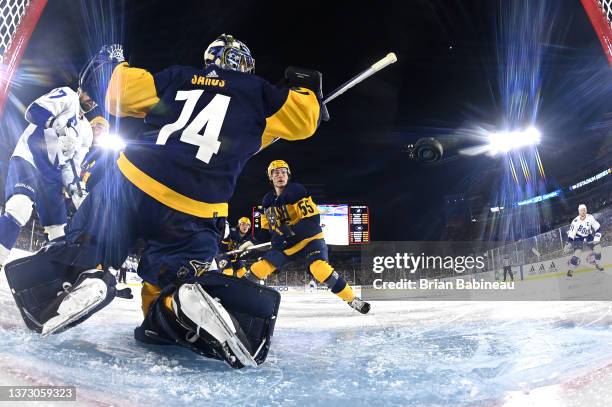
(59, 124)
(68, 143)
(286, 230)
(245, 245)
(223, 261)
(597, 238)
(567, 249)
(279, 242)
(309, 79)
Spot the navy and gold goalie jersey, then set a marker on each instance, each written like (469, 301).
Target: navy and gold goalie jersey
(201, 126)
(293, 215)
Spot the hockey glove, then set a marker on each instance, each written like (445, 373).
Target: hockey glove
(597, 238)
(59, 124)
(245, 245)
(279, 242)
(309, 79)
(567, 249)
(68, 143)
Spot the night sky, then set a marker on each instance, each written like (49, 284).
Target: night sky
(446, 78)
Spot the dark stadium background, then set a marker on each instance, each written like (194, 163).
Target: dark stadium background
(446, 76)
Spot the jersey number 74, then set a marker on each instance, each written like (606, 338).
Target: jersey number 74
(211, 116)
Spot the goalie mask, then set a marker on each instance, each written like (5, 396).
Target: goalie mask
(226, 52)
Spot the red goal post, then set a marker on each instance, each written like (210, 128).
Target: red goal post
(600, 14)
(17, 21)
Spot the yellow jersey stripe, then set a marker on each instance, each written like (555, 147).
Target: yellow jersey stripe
(131, 92)
(296, 248)
(167, 196)
(296, 119)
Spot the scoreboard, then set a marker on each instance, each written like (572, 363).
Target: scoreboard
(359, 224)
(342, 224)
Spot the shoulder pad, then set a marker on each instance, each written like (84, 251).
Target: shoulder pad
(295, 191)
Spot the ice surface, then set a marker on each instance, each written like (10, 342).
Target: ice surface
(324, 353)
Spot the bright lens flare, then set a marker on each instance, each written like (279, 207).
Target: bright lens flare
(111, 141)
(505, 141)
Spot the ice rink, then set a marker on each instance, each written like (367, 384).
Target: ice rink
(324, 353)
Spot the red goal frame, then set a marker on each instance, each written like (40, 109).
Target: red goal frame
(600, 12)
(12, 55)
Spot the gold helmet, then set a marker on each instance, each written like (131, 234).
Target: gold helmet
(99, 120)
(278, 164)
(244, 219)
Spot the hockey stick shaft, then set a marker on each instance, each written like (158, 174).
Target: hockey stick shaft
(248, 249)
(389, 59)
(77, 178)
(383, 63)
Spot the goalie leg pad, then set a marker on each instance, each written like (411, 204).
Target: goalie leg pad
(93, 290)
(35, 281)
(251, 307)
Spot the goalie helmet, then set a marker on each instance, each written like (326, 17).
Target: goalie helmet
(278, 164)
(226, 52)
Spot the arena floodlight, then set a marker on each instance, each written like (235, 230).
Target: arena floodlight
(505, 141)
(111, 141)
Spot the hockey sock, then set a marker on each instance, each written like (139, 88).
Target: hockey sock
(262, 269)
(9, 231)
(241, 272)
(323, 272)
(148, 295)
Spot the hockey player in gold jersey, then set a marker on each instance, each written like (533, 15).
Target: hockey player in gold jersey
(293, 221)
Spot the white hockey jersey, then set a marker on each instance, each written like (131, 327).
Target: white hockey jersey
(580, 229)
(39, 146)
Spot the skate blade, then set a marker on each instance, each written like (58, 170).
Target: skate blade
(88, 295)
(236, 346)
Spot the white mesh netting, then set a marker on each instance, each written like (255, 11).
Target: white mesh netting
(606, 6)
(11, 13)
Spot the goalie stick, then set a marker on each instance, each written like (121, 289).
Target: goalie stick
(389, 59)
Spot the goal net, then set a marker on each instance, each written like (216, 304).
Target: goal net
(600, 14)
(17, 21)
